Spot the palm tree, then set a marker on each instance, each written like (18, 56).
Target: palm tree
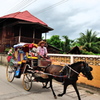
(89, 41)
(66, 43)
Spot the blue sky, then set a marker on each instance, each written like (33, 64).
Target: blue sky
(66, 17)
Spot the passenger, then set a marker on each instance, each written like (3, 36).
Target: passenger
(10, 54)
(42, 50)
(33, 52)
(11, 51)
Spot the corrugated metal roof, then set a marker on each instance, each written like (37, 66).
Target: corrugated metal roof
(25, 15)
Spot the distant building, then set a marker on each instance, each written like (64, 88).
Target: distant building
(74, 50)
(21, 27)
(52, 49)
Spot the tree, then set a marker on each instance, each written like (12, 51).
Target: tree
(89, 41)
(66, 45)
(55, 41)
(58, 43)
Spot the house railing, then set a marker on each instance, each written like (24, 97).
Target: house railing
(15, 40)
(26, 39)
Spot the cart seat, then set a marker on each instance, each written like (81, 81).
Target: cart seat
(17, 62)
(14, 62)
(32, 57)
(44, 62)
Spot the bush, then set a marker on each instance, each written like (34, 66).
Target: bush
(6, 50)
(87, 52)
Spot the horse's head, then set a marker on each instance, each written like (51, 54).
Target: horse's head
(86, 70)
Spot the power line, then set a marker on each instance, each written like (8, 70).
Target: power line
(26, 6)
(15, 6)
(51, 7)
(21, 5)
(31, 1)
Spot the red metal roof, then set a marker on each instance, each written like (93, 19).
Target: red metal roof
(24, 16)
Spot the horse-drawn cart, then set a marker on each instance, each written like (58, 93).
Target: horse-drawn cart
(34, 73)
(24, 61)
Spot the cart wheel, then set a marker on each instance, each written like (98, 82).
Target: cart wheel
(10, 72)
(27, 81)
(27, 66)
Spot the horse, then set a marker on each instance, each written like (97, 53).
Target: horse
(68, 75)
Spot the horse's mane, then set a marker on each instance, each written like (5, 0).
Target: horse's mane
(76, 63)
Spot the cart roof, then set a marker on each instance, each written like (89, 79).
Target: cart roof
(30, 45)
(21, 45)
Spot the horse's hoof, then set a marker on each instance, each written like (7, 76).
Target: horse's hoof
(44, 87)
(60, 95)
(55, 97)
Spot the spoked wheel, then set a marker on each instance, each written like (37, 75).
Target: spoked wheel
(27, 66)
(10, 72)
(27, 81)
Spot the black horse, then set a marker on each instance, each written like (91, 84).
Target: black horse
(68, 75)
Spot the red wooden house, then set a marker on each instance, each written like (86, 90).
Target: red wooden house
(21, 27)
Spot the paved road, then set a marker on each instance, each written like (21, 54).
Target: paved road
(15, 91)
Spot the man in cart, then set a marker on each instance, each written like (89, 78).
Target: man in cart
(42, 50)
(43, 59)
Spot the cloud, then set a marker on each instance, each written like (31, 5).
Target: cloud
(67, 17)
(73, 17)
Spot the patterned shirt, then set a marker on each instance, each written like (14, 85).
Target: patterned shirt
(42, 51)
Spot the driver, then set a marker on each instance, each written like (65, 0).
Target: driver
(42, 50)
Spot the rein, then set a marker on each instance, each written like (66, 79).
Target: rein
(48, 74)
(61, 71)
(73, 69)
(55, 75)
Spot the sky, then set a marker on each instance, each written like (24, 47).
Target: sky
(66, 17)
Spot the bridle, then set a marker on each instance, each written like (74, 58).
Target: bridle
(85, 69)
(71, 69)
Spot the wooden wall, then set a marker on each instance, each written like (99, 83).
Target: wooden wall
(9, 35)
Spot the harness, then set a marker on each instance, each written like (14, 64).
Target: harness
(66, 67)
(71, 69)
(68, 71)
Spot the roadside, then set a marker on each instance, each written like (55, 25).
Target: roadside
(89, 89)
(86, 88)
(15, 91)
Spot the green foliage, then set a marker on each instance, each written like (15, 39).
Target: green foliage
(89, 41)
(58, 43)
(7, 49)
(54, 41)
(75, 43)
(66, 44)
(87, 53)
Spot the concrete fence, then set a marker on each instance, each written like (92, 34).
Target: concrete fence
(3, 59)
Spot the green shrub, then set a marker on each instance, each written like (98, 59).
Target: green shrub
(87, 52)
